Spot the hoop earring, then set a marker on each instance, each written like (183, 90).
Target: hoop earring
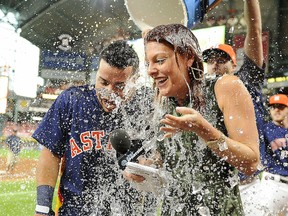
(201, 77)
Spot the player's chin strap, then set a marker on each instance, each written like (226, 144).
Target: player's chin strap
(44, 200)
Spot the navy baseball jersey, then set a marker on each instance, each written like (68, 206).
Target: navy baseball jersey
(253, 78)
(276, 160)
(76, 128)
(13, 143)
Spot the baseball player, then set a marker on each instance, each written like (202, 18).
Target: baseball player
(221, 59)
(275, 178)
(268, 195)
(13, 142)
(76, 129)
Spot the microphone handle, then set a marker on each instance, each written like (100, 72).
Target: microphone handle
(128, 156)
(138, 148)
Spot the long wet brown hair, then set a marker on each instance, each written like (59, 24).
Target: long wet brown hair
(184, 42)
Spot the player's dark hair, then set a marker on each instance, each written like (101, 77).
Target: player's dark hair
(120, 54)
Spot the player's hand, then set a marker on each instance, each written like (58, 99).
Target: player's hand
(278, 143)
(144, 161)
(144, 32)
(190, 120)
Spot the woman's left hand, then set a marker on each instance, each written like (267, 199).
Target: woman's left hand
(190, 120)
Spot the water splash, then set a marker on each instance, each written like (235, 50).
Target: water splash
(204, 211)
(234, 180)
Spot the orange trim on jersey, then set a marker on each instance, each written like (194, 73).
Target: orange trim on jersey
(59, 198)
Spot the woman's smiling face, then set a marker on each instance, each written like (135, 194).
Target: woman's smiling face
(169, 78)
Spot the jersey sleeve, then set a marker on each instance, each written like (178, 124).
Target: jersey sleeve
(53, 129)
(251, 74)
(271, 133)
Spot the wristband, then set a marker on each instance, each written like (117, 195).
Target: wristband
(42, 209)
(44, 199)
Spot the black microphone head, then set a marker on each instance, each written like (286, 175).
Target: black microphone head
(120, 140)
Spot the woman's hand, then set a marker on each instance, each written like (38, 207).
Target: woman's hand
(190, 120)
(132, 177)
(137, 178)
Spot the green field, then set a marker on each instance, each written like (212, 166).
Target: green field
(17, 198)
(25, 153)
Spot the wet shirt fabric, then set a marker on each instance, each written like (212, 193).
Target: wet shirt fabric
(276, 161)
(76, 128)
(199, 182)
(13, 143)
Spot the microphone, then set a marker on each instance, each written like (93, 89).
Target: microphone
(120, 141)
(127, 152)
(126, 149)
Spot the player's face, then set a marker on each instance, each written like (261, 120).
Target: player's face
(110, 82)
(278, 112)
(169, 78)
(219, 65)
